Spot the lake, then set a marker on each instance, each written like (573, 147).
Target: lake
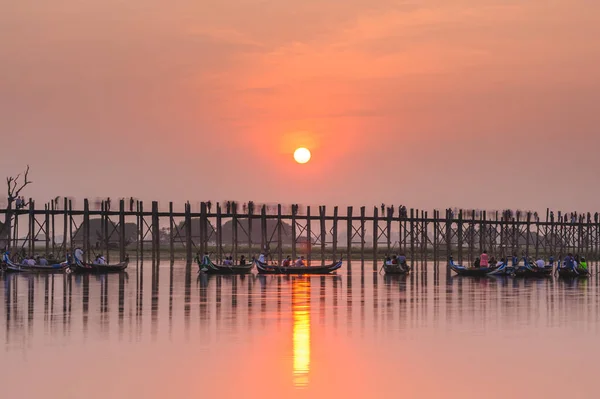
(165, 332)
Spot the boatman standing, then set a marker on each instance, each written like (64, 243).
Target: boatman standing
(205, 259)
(484, 260)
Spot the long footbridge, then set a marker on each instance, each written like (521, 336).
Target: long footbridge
(319, 233)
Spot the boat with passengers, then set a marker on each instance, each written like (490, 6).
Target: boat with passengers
(29, 264)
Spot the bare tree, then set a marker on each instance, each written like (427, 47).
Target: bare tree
(14, 188)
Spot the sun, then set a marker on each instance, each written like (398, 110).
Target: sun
(302, 155)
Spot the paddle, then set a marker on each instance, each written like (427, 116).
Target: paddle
(384, 263)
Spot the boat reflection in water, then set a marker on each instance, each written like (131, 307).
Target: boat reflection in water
(301, 334)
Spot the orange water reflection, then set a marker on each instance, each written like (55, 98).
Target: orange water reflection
(301, 331)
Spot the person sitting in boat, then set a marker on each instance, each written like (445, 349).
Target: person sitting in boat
(101, 259)
(540, 264)
(484, 260)
(515, 260)
(42, 261)
(583, 263)
(551, 261)
(394, 260)
(402, 259)
(500, 262)
(388, 261)
(287, 262)
(261, 257)
(477, 263)
(29, 261)
(228, 261)
(242, 260)
(569, 262)
(300, 261)
(492, 261)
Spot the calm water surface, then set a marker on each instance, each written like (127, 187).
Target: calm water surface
(164, 332)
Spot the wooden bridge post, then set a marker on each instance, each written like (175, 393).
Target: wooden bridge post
(250, 217)
(31, 235)
(294, 233)
(400, 231)
(362, 235)
(234, 225)
(528, 232)
(65, 225)
(460, 235)
(70, 213)
(388, 230)
(335, 233)
(537, 238)
(308, 234)
(141, 228)
(155, 231)
(103, 242)
(86, 228)
(263, 230)
(279, 236)
(188, 233)
(482, 231)
(53, 236)
(375, 236)
(412, 233)
(435, 234)
(471, 255)
(122, 230)
(448, 233)
(171, 233)
(47, 210)
(425, 235)
(515, 235)
(220, 234)
(201, 224)
(349, 233)
(323, 232)
(15, 231)
(503, 245)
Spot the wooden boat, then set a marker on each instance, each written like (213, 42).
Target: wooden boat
(465, 271)
(530, 271)
(10, 266)
(264, 268)
(572, 272)
(396, 269)
(207, 266)
(503, 270)
(80, 266)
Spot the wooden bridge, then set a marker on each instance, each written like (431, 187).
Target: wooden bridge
(319, 233)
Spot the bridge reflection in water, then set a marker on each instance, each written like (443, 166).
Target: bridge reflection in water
(301, 330)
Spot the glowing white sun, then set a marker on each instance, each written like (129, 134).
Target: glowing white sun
(302, 155)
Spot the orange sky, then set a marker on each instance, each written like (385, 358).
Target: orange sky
(474, 103)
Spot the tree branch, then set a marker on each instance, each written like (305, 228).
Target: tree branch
(12, 184)
(26, 182)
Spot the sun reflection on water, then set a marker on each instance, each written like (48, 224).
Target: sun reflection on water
(301, 334)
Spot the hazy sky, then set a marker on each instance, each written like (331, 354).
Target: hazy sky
(430, 103)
